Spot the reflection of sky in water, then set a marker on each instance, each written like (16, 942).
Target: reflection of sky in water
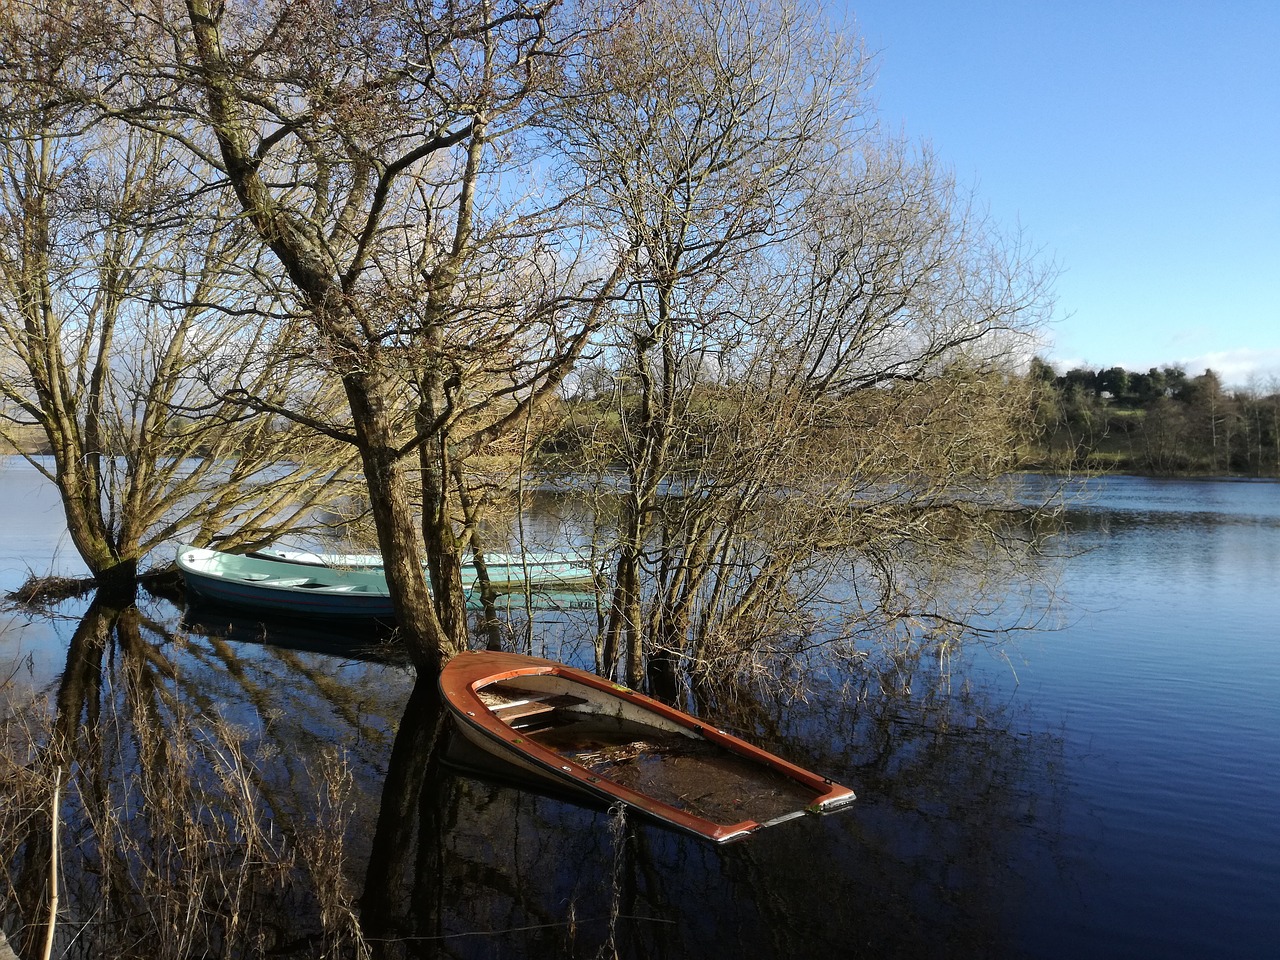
(1167, 681)
(32, 650)
(33, 530)
(1236, 500)
(1112, 793)
(33, 540)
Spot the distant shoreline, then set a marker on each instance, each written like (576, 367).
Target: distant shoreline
(43, 450)
(31, 442)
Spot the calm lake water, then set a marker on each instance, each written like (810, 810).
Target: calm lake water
(1108, 786)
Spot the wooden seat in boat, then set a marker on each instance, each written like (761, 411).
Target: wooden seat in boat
(534, 706)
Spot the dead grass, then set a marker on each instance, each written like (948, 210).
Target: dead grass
(172, 847)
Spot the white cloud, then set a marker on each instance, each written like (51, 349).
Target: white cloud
(1236, 368)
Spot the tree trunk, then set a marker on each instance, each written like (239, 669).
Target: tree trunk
(398, 539)
(444, 557)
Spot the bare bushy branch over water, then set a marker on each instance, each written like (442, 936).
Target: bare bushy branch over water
(419, 241)
(130, 307)
(813, 364)
(38, 590)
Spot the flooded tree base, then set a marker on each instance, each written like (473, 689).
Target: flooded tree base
(39, 591)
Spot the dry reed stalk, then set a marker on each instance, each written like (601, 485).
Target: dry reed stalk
(323, 857)
(618, 838)
(53, 863)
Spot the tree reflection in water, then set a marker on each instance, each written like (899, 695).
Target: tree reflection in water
(204, 790)
(242, 799)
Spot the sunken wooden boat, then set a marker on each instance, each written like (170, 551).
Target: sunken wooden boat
(505, 570)
(587, 735)
(272, 587)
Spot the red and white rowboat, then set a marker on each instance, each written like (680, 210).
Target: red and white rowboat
(581, 732)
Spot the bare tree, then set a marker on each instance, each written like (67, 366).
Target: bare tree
(365, 146)
(711, 121)
(463, 201)
(117, 298)
(814, 347)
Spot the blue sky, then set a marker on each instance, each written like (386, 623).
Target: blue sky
(1136, 141)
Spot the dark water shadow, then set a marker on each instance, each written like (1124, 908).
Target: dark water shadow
(332, 819)
(369, 642)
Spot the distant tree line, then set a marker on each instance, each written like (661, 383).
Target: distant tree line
(1163, 421)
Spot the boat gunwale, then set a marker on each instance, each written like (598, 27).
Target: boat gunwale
(549, 568)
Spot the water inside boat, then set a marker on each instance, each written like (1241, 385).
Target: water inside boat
(682, 771)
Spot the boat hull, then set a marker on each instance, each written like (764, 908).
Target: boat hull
(269, 587)
(583, 734)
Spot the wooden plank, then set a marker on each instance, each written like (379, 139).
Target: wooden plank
(534, 706)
